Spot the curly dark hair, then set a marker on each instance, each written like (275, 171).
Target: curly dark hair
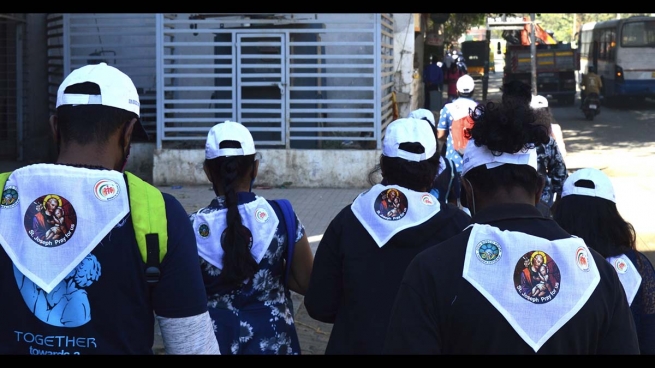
(508, 127)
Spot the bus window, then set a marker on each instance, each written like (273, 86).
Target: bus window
(638, 34)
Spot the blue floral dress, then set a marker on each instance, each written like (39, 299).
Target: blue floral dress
(257, 317)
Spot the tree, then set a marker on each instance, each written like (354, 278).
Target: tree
(563, 25)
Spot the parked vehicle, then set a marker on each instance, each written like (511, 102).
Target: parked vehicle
(556, 63)
(475, 55)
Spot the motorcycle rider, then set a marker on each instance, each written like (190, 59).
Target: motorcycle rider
(591, 84)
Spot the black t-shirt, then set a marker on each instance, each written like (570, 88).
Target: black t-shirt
(354, 281)
(437, 311)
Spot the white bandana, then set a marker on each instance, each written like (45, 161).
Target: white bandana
(628, 275)
(59, 215)
(506, 267)
(475, 156)
(258, 216)
(384, 211)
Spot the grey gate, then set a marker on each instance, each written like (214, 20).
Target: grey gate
(260, 86)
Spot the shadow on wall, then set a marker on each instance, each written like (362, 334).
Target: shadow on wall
(141, 162)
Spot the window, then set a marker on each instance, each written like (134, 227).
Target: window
(638, 34)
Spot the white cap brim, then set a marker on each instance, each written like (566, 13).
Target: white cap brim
(409, 130)
(228, 131)
(602, 183)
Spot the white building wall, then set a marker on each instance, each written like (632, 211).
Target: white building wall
(406, 76)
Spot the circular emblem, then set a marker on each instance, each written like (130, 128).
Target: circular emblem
(50, 220)
(9, 197)
(242, 232)
(427, 200)
(488, 251)
(106, 189)
(391, 204)
(261, 215)
(620, 265)
(582, 258)
(537, 277)
(203, 230)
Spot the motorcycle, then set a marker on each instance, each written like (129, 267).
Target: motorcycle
(591, 106)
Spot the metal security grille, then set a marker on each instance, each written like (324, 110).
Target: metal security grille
(55, 40)
(126, 41)
(11, 85)
(295, 80)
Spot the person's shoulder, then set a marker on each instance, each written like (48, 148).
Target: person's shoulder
(173, 205)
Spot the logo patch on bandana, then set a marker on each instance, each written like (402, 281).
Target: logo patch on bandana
(582, 258)
(9, 197)
(537, 277)
(261, 215)
(203, 230)
(391, 205)
(488, 251)
(106, 190)
(620, 265)
(50, 220)
(427, 200)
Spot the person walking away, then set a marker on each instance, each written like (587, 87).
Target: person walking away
(446, 185)
(550, 163)
(124, 253)
(452, 75)
(482, 290)
(454, 119)
(588, 210)
(433, 77)
(361, 259)
(243, 244)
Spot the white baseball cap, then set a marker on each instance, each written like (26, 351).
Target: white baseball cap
(409, 130)
(424, 114)
(229, 131)
(538, 102)
(116, 90)
(465, 84)
(603, 187)
(475, 156)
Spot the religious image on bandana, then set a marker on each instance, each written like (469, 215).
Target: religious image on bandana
(391, 204)
(537, 277)
(50, 220)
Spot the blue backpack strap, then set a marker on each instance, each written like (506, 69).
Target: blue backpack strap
(289, 220)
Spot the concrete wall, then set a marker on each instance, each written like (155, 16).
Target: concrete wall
(140, 161)
(406, 78)
(301, 168)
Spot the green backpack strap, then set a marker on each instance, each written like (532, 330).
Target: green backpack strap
(150, 225)
(3, 179)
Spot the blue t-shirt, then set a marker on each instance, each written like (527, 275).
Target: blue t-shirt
(445, 122)
(104, 306)
(255, 318)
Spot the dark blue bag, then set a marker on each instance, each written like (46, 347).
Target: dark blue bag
(289, 219)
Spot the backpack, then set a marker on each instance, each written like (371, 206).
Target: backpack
(288, 217)
(459, 129)
(289, 221)
(148, 213)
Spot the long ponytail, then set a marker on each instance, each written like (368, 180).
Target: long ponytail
(238, 263)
